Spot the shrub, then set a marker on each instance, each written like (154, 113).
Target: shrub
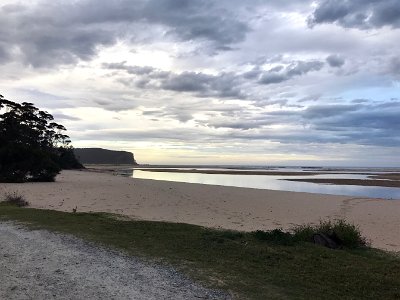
(16, 199)
(347, 234)
(342, 233)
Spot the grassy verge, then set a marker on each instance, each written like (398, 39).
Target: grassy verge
(241, 263)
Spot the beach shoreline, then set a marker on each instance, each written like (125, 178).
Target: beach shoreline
(214, 206)
(377, 179)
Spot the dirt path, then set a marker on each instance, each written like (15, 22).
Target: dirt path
(42, 265)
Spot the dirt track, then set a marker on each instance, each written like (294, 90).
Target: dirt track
(43, 265)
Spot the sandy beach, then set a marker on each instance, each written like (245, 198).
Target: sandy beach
(212, 206)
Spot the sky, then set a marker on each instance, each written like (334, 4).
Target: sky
(252, 82)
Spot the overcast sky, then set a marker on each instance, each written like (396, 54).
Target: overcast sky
(213, 82)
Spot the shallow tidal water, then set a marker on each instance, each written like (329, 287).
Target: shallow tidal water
(272, 182)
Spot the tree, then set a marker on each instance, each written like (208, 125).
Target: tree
(32, 146)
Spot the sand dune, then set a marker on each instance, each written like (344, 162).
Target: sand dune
(212, 206)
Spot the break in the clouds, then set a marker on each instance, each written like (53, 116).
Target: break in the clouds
(199, 81)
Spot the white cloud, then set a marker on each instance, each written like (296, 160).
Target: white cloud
(230, 81)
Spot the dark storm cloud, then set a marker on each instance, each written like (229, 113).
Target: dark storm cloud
(271, 77)
(192, 20)
(367, 124)
(280, 74)
(367, 117)
(188, 82)
(224, 85)
(362, 14)
(61, 32)
(335, 61)
(363, 124)
(303, 67)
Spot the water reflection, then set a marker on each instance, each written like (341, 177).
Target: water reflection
(274, 183)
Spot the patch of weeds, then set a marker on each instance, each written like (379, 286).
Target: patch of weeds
(346, 234)
(340, 232)
(15, 199)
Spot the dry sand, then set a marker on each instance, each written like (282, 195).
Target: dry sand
(212, 206)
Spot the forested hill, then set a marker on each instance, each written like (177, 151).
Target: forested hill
(104, 156)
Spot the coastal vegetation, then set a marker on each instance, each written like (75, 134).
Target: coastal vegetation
(335, 234)
(248, 265)
(32, 146)
(15, 199)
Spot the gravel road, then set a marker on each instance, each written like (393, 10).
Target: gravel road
(42, 265)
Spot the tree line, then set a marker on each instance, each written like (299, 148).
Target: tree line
(32, 146)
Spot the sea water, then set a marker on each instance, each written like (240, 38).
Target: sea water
(277, 182)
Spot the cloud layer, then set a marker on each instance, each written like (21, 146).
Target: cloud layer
(228, 79)
(362, 14)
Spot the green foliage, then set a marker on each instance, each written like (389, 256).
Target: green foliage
(348, 234)
(343, 233)
(32, 146)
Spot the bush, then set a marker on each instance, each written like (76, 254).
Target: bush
(16, 199)
(342, 233)
(346, 234)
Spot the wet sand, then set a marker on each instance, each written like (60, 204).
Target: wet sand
(209, 205)
(362, 182)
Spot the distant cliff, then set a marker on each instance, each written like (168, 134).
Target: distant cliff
(104, 156)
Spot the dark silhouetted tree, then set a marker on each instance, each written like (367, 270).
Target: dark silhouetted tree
(32, 146)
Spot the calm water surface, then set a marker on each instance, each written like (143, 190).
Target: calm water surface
(276, 183)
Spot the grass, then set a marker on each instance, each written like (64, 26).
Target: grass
(244, 264)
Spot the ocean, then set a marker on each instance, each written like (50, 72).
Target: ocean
(276, 181)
